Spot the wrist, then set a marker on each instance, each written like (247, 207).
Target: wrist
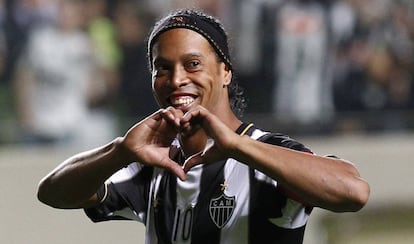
(236, 150)
(122, 154)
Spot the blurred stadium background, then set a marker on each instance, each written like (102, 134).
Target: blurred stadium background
(336, 75)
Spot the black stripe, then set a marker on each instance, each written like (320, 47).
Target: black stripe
(204, 230)
(267, 202)
(164, 207)
(242, 127)
(252, 204)
(132, 193)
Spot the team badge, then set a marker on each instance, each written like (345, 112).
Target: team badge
(221, 209)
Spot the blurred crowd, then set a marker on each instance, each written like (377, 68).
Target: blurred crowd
(75, 71)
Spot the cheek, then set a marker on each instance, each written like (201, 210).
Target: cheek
(156, 88)
(160, 91)
(158, 83)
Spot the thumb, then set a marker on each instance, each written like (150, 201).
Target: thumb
(176, 169)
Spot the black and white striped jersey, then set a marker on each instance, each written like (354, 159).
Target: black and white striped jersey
(221, 202)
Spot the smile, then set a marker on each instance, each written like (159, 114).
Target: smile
(181, 101)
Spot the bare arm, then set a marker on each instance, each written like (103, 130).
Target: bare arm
(74, 183)
(323, 182)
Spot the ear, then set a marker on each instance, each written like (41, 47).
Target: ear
(228, 74)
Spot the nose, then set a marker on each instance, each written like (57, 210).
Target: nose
(178, 77)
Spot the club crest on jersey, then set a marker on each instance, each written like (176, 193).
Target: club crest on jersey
(221, 209)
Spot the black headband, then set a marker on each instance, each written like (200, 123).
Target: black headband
(217, 39)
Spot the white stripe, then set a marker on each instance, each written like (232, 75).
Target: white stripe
(188, 190)
(237, 179)
(294, 216)
(126, 173)
(187, 196)
(236, 176)
(259, 175)
(128, 213)
(258, 133)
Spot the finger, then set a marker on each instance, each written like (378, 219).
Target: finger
(201, 117)
(167, 115)
(176, 169)
(187, 129)
(192, 115)
(191, 121)
(172, 115)
(179, 172)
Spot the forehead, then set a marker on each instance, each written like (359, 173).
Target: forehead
(181, 40)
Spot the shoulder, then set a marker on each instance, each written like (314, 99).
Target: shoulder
(279, 139)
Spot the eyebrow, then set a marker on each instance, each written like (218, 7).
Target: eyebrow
(193, 55)
(158, 60)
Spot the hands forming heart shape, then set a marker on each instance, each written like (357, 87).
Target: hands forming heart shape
(201, 134)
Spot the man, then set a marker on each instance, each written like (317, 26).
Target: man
(58, 82)
(192, 171)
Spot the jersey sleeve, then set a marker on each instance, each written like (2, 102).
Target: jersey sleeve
(124, 196)
(287, 142)
(283, 141)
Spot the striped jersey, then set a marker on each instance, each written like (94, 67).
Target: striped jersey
(221, 202)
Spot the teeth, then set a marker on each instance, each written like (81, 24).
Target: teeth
(182, 101)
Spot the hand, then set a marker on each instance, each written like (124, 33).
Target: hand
(149, 141)
(222, 140)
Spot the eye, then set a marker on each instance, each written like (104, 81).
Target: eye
(193, 64)
(160, 70)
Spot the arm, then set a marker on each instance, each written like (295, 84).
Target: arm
(324, 182)
(74, 183)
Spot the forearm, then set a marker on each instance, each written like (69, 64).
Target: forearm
(319, 181)
(73, 183)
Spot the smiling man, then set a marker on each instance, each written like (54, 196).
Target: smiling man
(193, 172)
